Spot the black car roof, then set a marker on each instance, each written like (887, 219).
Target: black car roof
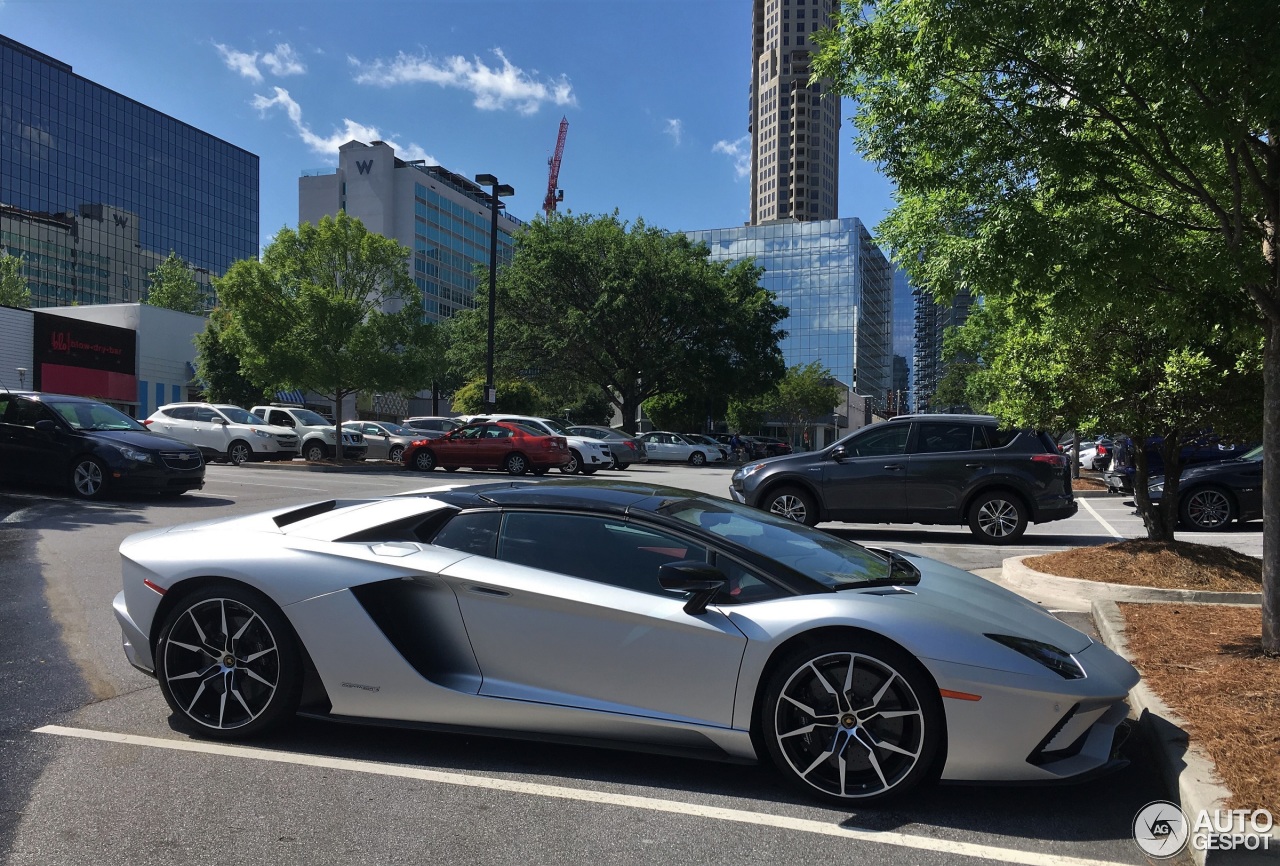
(41, 396)
(611, 496)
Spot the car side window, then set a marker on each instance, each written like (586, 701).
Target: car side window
(935, 437)
(744, 586)
(880, 443)
(206, 415)
(279, 419)
(1001, 438)
(603, 549)
(182, 413)
(474, 532)
(25, 413)
(494, 432)
(373, 430)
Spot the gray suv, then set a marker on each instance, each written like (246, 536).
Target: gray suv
(933, 469)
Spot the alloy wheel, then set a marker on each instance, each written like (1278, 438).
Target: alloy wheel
(790, 506)
(998, 518)
(87, 478)
(238, 454)
(1208, 509)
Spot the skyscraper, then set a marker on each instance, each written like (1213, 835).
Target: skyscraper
(795, 125)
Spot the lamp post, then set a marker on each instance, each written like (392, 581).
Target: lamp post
(22, 378)
(495, 205)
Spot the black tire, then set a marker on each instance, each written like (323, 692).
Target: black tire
(793, 503)
(998, 517)
(697, 458)
(590, 470)
(516, 464)
(424, 460)
(253, 662)
(239, 453)
(88, 478)
(451, 469)
(621, 465)
(574, 464)
(852, 720)
(314, 452)
(396, 452)
(1206, 509)
(541, 470)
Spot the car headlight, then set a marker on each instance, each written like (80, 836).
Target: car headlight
(744, 472)
(133, 454)
(1156, 488)
(328, 435)
(1059, 661)
(263, 433)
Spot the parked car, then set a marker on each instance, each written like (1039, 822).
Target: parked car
(931, 469)
(625, 448)
(1201, 449)
(1211, 495)
(224, 432)
(703, 439)
(314, 431)
(515, 448)
(773, 447)
(384, 440)
(663, 445)
(586, 455)
(752, 449)
(90, 448)
(629, 614)
(432, 426)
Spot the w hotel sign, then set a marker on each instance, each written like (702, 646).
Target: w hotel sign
(86, 359)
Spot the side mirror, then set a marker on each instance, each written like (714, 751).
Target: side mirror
(695, 576)
(839, 453)
(44, 425)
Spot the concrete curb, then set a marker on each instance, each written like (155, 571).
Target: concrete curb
(1016, 574)
(304, 466)
(1184, 767)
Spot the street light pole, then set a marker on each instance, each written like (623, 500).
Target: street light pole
(495, 205)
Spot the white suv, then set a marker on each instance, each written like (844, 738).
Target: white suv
(224, 432)
(586, 455)
(315, 431)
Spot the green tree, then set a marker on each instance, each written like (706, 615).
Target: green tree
(630, 310)
(330, 308)
(218, 366)
(515, 396)
(678, 411)
(174, 287)
(1127, 102)
(14, 291)
(807, 392)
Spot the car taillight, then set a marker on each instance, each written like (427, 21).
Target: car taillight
(1102, 451)
(631, 445)
(1051, 459)
(146, 422)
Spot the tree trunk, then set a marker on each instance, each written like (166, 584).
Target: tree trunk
(1271, 487)
(1158, 528)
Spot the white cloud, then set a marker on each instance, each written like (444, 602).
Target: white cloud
(350, 129)
(284, 61)
(494, 88)
(739, 151)
(675, 129)
(239, 61)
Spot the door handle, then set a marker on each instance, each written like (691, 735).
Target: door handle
(485, 590)
(975, 466)
(896, 467)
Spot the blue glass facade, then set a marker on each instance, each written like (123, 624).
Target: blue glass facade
(96, 188)
(449, 240)
(838, 286)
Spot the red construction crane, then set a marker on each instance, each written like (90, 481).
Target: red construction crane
(553, 175)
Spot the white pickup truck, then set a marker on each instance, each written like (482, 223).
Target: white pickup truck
(314, 430)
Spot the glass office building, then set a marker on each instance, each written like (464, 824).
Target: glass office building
(838, 286)
(97, 188)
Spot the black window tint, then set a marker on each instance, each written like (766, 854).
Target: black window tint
(603, 549)
(1001, 438)
(208, 416)
(26, 413)
(935, 437)
(880, 443)
(475, 532)
(182, 413)
(744, 585)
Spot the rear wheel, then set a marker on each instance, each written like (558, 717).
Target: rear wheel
(228, 662)
(998, 517)
(852, 720)
(621, 465)
(1206, 509)
(793, 504)
(424, 461)
(517, 464)
(88, 478)
(239, 453)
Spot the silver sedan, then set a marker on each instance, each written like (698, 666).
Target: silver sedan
(386, 441)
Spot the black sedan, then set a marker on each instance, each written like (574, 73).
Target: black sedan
(1211, 495)
(89, 447)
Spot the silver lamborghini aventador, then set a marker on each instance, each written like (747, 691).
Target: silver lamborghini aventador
(624, 615)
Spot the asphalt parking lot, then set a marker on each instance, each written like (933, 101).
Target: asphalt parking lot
(93, 763)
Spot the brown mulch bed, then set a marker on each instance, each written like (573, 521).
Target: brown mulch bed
(1083, 483)
(1205, 661)
(1165, 564)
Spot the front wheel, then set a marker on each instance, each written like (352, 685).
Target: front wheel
(793, 504)
(239, 453)
(998, 517)
(574, 464)
(1206, 509)
(89, 478)
(314, 452)
(424, 461)
(852, 720)
(228, 662)
(697, 458)
(395, 453)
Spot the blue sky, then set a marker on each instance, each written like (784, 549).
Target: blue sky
(655, 92)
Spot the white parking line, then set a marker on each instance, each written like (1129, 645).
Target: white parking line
(1098, 517)
(260, 484)
(742, 816)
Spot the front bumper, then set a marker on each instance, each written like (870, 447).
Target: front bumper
(137, 648)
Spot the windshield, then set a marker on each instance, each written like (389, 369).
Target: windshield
(556, 428)
(307, 418)
(236, 415)
(93, 416)
(528, 428)
(829, 560)
(397, 430)
(1254, 454)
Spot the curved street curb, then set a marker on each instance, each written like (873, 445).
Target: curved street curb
(1018, 575)
(1185, 768)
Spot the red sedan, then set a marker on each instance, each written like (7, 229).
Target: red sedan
(490, 445)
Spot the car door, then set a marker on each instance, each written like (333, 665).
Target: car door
(209, 431)
(946, 457)
(867, 484)
(377, 438)
(30, 453)
(569, 612)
